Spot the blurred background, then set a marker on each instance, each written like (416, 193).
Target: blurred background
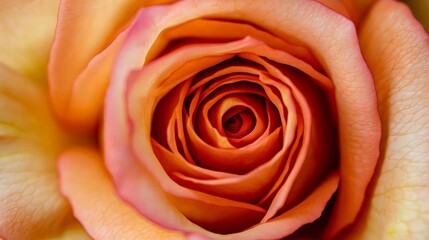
(420, 9)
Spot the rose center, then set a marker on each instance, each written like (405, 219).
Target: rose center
(238, 122)
(233, 124)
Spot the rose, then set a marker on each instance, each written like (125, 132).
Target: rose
(77, 200)
(119, 139)
(291, 169)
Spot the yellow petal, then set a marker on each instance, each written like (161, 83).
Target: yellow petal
(397, 51)
(31, 206)
(27, 30)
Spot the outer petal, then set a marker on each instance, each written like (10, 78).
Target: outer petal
(31, 206)
(86, 43)
(86, 184)
(397, 51)
(27, 30)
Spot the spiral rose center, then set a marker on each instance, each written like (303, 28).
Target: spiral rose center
(233, 124)
(238, 122)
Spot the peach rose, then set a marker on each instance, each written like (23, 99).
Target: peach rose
(219, 120)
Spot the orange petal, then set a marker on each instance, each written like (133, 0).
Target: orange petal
(396, 48)
(209, 29)
(234, 160)
(307, 211)
(88, 187)
(87, 40)
(213, 111)
(138, 90)
(173, 162)
(316, 156)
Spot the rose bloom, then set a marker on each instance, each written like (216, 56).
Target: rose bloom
(213, 119)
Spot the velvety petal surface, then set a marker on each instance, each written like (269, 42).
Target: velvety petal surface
(87, 185)
(31, 207)
(27, 29)
(396, 48)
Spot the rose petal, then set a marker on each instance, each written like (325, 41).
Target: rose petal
(79, 105)
(88, 187)
(307, 211)
(27, 29)
(86, 43)
(209, 29)
(168, 163)
(397, 51)
(252, 84)
(214, 111)
(30, 203)
(217, 79)
(239, 160)
(316, 156)
(249, 187)
(175, 163)
(141, 187)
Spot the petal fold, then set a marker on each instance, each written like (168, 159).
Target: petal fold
(87, 185)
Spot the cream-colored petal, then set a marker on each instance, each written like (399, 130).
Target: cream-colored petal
(31, 206)
(74, 231)
(397, 51)
(27, 30)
